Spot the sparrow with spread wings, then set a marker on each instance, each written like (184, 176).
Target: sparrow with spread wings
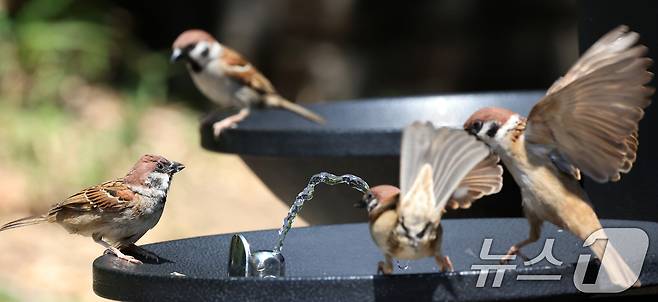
(587, 122)
(438, 168)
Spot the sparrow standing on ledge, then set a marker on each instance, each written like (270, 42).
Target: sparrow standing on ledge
(438, 168)
(229, 80)
(588, 121)
(115, 213)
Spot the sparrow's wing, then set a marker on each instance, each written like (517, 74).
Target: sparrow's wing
(108, 196)
(433, 163)
(239, 69)
(590, 116)
(485, 179)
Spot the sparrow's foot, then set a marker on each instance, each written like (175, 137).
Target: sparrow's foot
(513, 251)
(122, 256)
(145, 254)
(218, 127)
(384, 268)
(444, 263)
(229, 122)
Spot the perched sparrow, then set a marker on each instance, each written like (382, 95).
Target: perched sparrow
(229, 80)
(588, 121)
(438, 168)
(115, 213)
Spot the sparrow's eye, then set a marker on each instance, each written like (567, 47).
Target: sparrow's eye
(369, 196)
(477, 126)
(205, 52)
(160, 166)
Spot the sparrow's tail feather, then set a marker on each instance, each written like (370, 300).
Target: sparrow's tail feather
(615, 266)
(23, 222)
(278, 101)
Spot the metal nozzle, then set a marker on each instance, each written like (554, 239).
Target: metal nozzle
(262, 264)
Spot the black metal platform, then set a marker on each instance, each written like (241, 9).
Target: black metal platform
(354, 128)
(361, 137)
(338, 263)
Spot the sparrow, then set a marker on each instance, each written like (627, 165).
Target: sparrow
(115, 213)
(229, 80)
(439, 168)
(586, 123)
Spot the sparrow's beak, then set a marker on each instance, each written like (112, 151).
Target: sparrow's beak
(176, 167)
(176, 55)
(472, 131)
(360, 204)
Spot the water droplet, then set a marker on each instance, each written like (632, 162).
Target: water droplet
(403, 266)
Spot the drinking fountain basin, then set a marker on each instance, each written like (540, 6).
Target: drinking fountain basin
(339, 263)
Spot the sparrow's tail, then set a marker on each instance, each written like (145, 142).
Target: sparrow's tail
(615, 266)
(24, 222)
(277, 101)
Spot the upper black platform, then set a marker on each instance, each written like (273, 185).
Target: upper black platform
(353, 128)
(337, 263)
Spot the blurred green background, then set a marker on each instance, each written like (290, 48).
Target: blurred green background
(65, 67)
(86, 88)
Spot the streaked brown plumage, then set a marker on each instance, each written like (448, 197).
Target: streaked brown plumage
(115, 213)
(587, 122)
(229, 80)
(438, 168)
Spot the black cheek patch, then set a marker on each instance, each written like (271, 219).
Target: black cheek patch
(493, 130)
(196, 67)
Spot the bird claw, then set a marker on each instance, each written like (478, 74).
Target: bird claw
(511, 253)
(384, 268)
(218, 127)
(142, 253)
(122, 256)
(445, 264)
(130, 259)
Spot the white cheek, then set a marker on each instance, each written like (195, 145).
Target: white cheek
(198, 50)
(155, 185)
(159, 181)
(509, 125)
(214, 51)
(500, 139)
(482, 134)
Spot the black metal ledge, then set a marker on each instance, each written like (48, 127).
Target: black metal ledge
(354, 128)
(337, 263)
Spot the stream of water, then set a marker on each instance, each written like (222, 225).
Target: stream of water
(307, 194)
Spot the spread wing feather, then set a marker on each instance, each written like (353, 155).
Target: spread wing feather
(590, 116)
(485, 179)
(435, 161)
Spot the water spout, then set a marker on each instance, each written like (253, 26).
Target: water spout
(307, 194)
(245, 263)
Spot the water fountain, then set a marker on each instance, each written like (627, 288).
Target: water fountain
(338, 262)
(270, 263)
